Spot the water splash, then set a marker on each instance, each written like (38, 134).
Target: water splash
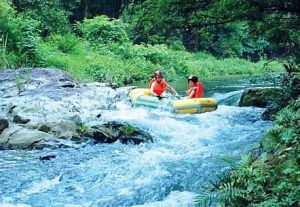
(185, 155)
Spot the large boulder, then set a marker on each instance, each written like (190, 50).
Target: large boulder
(65, 129)
(19, 137)
(112, 131)
(49, 102)
(261, 97)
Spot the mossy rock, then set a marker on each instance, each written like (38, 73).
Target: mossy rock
(110, 132)
(261, 97)
(130, 134)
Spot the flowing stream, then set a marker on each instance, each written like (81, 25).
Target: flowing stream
(185, 156)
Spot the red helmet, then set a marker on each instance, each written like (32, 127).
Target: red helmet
(158, 74)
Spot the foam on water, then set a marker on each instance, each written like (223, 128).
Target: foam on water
(185, 155)
(174, 199)
(7, 202)
(41, 186)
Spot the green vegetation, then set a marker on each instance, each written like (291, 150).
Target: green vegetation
(224, 28)
(128, 130)
(81, 128)
(181, 37)
(125, 63)
(273, 179)
(100, 48)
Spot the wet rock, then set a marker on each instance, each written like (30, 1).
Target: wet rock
(64, 129)
(3, 125)
(130, 134)
(103, 133)
(20, 120)
(68, 84)
(44, 128)
(113, 85)
(47, 157)
(53, 103)
(19, 137)
(269, 113)
(112, 131)
(261, 97)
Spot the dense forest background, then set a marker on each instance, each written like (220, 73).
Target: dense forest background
(131, 39)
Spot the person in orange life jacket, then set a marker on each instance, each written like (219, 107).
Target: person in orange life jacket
(158, 85)
(196, 90)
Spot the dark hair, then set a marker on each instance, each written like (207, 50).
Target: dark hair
(193, 78)
(158, 74)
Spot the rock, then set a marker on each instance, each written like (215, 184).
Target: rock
(130, 134)
(113, 85)
(261, 97)
(106, 133)
(112, 131)
(47, 157)
(3, 125)
(54, 105)
(44, 128)
(64, 129)
(20, 120)
(270, 112)
(19, 137)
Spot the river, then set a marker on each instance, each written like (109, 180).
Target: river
(185, 156)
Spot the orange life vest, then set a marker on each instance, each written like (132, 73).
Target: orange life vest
(159, 88)
(199, 91)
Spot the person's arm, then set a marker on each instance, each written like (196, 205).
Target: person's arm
(192, 94)
(152, 90)
(172, 89)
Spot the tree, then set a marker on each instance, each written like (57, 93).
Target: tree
(277, 21)
(271, 27)
(92, 8)
(52, 15)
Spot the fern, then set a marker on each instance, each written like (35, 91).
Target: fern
(205, 199)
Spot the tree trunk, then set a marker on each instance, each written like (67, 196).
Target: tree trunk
(190, 38)
(86, 5)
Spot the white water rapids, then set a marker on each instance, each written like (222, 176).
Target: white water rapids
(185, 156)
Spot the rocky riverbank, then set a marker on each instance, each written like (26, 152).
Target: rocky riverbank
(45, 107)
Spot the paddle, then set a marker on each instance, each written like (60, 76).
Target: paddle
(177, 97)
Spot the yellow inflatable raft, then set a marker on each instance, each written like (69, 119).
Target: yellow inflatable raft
(141, 97)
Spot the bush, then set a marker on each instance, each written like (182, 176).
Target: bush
(51, 15)
(102, 30)
(110, 69)
(126, 63)
(27, 41)
(66, 44)
(6, 15)
(22, 36)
